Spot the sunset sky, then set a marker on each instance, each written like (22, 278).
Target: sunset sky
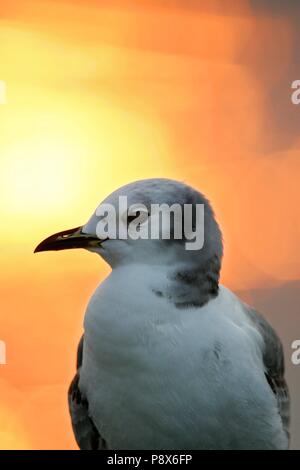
(98, 96)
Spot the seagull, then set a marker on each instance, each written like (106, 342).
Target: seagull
(170, 358)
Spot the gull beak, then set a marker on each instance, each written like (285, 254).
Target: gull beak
(73, 238)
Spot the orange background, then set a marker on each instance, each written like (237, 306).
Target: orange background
(103, 93)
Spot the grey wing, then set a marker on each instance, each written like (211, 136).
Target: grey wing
(274, 366)
(86, 434)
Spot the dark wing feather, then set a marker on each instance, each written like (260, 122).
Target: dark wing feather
(86, 434)
(274, 366)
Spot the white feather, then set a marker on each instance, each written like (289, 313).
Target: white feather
(159, 377)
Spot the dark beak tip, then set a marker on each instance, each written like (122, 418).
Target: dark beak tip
(67, 239)
(41, 247)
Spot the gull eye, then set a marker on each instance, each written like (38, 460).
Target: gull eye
(130, 218)
(142, 215)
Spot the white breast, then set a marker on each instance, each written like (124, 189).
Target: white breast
(157, 377)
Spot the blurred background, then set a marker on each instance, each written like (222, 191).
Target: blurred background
(100, 93)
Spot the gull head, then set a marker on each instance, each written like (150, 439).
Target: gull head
(151, 222)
